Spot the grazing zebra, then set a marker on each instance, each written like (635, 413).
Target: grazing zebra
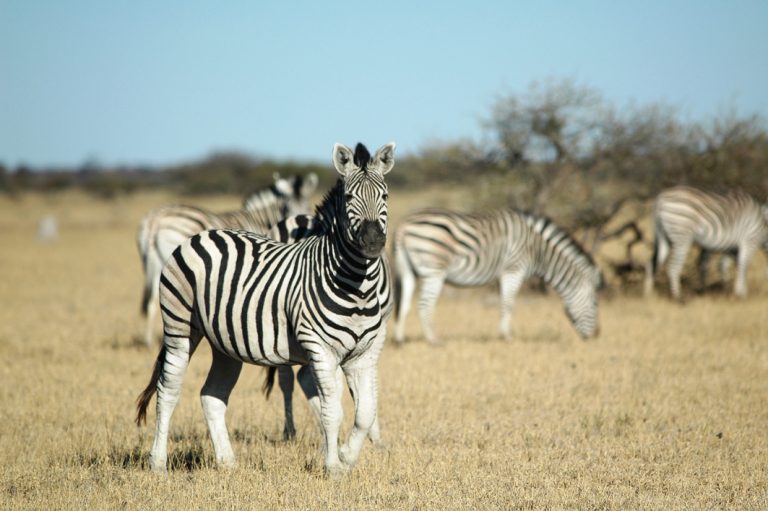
(165, 228)
(436, 246)
(315, 302)
(730, 223)
(291, 230)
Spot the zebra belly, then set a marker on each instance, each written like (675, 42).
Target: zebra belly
(265, 350)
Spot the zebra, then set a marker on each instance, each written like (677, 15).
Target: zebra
(436, 246)
(163, 229)
(291, 230)
(315, 302)
(734, 223)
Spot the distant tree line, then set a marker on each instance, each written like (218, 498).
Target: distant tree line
(558, 148)
(227, 173)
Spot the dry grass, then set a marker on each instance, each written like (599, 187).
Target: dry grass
(666, 410)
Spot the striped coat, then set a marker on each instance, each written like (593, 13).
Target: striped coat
(685, 216)
(315, 302)
(165, 228)
(508, 246)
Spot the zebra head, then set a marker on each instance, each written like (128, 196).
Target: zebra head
(294, 192)
(581, 304)
(364, 195)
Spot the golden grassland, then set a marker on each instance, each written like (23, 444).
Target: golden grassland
(666, 410)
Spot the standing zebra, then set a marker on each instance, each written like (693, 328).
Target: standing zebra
(163, 229)
(735, 222)
(436, 246)
(291, 230)
(315, 302)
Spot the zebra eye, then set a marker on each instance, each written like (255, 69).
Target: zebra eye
(385, 196)
(349, 197)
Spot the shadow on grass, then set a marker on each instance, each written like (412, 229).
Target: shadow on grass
(188, 459)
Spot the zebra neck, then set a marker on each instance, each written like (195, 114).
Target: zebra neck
(348, 269)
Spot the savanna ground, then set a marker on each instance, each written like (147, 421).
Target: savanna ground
(666, 410)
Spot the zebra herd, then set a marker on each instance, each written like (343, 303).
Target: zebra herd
(272, 286)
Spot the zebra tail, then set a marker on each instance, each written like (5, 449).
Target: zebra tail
(146, 396)
(269, 381)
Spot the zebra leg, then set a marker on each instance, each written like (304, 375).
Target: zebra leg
(509, 284)
(309, 387)
(742, 261)
(660, 254)
(285, 379)
(178, 352)
(430, 291)
(362, 383)
(407, 283)
(724, 266)
(701, 265)
(214, 397)
(329, 391)
(675, 266)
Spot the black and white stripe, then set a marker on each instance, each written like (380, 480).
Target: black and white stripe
(731, 223)
(315, 302)
(165, 228)
(289, 231)
(438, 246)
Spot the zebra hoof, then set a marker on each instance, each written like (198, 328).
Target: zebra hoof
(289, 435)
(337, 471)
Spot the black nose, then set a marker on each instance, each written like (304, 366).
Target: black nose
(371, 237)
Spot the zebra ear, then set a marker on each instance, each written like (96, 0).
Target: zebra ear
(343, 159)
(283, 186)
(385, 158)
(309, 185)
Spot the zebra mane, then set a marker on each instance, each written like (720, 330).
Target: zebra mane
(325, 212)
(362, 156)
(542, 223)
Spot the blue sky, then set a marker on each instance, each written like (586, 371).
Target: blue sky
(163, 82)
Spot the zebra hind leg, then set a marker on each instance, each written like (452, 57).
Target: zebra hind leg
(285, 379)
(214, 397)
(406, 282)
(178, 351)
(675, 267)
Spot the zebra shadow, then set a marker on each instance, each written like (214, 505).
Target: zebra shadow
(188, 459)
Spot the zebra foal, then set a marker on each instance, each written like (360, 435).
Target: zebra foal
(438, 246)
(163, 229)
(731, 223)
(315, 302)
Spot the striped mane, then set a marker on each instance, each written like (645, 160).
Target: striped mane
(542, 223)
(325, 212)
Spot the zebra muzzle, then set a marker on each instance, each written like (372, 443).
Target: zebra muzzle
(371, 239)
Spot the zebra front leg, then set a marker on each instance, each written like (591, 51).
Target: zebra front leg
(285, 380)
(331, 412)
(743, 258)
(362, 383)
(178, 351)
(214, 397)
(430, 291)
(509, 285)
